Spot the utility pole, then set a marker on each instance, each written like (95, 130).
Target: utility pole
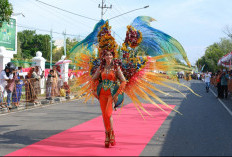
(64, 42)
(51, 51)
(104, 7)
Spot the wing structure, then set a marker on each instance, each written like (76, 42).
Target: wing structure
(141, 71)
(156, 42)
(144, 80)
(90, 40)
(86, 61)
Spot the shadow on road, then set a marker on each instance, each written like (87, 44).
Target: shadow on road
(204, 129)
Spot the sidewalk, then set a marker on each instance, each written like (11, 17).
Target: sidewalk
(42, 102)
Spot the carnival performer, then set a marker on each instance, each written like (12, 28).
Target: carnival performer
(105, 87)
(129, 64)
(109, 72)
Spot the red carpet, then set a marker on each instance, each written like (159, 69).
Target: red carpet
(87, 139)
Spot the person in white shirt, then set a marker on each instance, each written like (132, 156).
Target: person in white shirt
(207, 81)
(5, 75)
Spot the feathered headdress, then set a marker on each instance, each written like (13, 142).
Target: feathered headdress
(106, 41)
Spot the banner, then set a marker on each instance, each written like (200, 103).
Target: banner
(8, 35)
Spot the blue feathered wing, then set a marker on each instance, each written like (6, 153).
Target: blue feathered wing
(90, 40)
(156, 42)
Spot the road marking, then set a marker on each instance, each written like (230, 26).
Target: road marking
(230, 112)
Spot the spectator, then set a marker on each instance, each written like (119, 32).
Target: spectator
(67, 89)
(207, 81)
(5, 75)
(198, 76)
(30, 92)
(10, 87)
(36, 80)
(49, 84)
(55, 88)
(17, 92)
(219, 87)
(224, 83)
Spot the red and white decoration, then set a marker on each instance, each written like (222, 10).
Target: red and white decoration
(225, 61)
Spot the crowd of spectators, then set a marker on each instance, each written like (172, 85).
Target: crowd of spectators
(14, 84)
(222, 80)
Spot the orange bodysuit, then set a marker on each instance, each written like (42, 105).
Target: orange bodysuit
(106, 100)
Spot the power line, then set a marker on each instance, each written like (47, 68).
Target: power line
(104, 7)
(121, 10)
(67, 11)
(61, 16)
(41, 14)
(128, 12)
(43, 30)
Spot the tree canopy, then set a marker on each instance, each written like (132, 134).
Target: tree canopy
(6, 10)
(30, 43)
(213, 53)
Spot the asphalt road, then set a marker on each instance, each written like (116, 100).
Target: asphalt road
(204, 129)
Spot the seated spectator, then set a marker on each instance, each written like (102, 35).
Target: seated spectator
(67, 89)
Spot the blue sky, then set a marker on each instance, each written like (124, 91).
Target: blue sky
(196, 24)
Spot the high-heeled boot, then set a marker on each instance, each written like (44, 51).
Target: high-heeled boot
(112, 138)
(107, 140)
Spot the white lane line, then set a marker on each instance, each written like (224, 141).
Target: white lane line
(230, 112)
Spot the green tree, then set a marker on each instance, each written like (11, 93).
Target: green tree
(69, 44)
(6, 10)
(213, 53)
(60, 52)
(30, 43)
(26, 38)
(42, 43)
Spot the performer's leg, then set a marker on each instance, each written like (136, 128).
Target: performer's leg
(108, 113)
(111, 123)
(109, 120)
(103, 102)
(112, 136)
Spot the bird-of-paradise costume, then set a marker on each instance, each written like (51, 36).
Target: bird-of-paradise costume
(145, 52)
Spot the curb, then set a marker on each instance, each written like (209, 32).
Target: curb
(42, 102)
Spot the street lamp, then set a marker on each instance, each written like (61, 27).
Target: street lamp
(129, 12)
(16, 14)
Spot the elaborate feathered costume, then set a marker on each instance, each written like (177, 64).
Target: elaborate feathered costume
(137, 64)
(144, 53)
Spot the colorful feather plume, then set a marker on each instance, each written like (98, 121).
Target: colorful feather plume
(141, 71)
(156, 42)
